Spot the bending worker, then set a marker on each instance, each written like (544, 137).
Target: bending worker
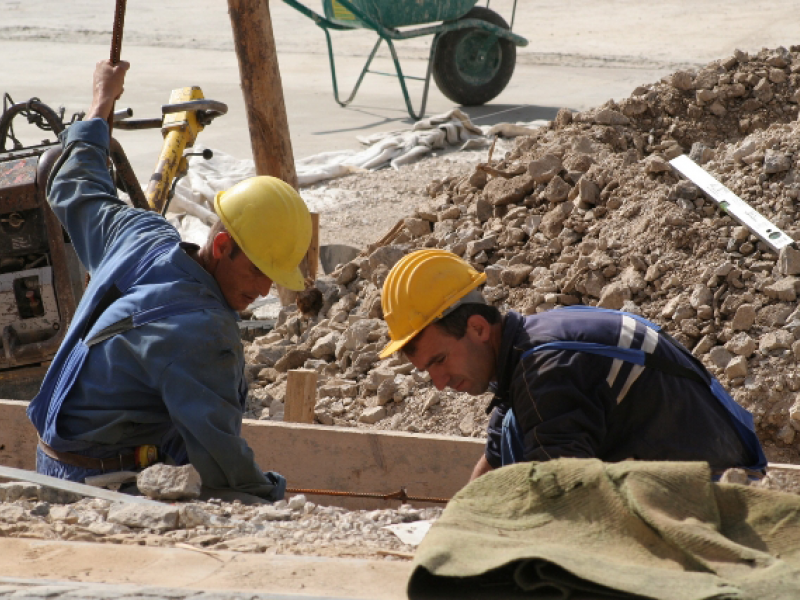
(576, 382)
(152, 367)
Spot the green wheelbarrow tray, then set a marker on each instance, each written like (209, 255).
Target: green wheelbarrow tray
(472, 55)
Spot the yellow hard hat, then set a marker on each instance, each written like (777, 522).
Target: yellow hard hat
(419, 289)
(271, 224)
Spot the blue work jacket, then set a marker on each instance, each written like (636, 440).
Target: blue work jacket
(174, 378)
(576, 403)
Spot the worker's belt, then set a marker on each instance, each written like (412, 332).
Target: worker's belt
(141, 457)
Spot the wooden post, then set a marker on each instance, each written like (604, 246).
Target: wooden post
(263, 98)
(301, 396)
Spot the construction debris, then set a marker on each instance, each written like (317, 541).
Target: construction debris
(589, 211)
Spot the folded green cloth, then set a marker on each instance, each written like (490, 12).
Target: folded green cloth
(580, 528)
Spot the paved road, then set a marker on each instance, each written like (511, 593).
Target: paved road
(581, 53)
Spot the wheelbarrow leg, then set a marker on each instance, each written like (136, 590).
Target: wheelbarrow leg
(360, 77)
(402, 78)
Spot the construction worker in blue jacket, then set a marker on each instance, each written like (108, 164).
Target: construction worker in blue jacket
(575, 382)
(152, 367)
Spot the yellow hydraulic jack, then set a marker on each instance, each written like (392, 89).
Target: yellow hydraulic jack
(184, 117)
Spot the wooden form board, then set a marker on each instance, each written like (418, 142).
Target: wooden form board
(316, 457)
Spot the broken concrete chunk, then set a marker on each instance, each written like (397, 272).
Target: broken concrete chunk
(655, 164)
(614, 295)
(742, 345)
(165, 482)
(744, 318)
(789, 261)
(776, 162)
(610, 117)
(544, 169)
(775, 340)
(736, 368)
(557, 190)
(138, 516)
(372, 414)
(720, 356)
(784, 289)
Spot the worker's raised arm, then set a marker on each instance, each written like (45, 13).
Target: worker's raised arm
(108, 85)
(80, 190)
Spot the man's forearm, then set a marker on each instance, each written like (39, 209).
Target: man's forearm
(481, 467)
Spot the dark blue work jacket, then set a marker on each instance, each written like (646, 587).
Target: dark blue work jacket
(572, 403)
(174, 377)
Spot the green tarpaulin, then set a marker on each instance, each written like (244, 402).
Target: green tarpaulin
(579, 528)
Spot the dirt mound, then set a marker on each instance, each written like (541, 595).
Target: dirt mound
(588, 211)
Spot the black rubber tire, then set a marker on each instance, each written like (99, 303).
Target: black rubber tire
(486, 80)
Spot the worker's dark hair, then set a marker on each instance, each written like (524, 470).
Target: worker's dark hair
(455, 324)
(217, 228)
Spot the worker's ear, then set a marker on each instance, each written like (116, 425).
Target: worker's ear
(222, 245)
(479, 328)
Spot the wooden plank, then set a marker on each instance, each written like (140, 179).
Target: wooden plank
(301, 396)
(13, 474)
(316, 457)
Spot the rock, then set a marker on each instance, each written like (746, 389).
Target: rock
(192, 515)
(372, 415)
(557, 190)
(775, 340)
(744, 318)
(720, 357)
(487, 243)
(610, 117)
(775, 162)
(588, 191)
(325, 347)
(736, 476)
(553, 221)
(515, 275)
(655, 164)
(563, 118)
(746, 148)
(682, 80)
(165, 482)
(467, 425)
(139, 516)
(742, 345)
(386, 392)
(700, 296)
(544, 169)
(786, 434)
(296, 502)
(784, 289)
(417, 227)
(736, 368)
(614, 295)
(789, 261)
(293, 359)
(64, 514)
(500, 191)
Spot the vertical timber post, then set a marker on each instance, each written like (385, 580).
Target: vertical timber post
(301, 396)
(263, 97)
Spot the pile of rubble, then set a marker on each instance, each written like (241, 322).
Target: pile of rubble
(295, 526)
(589, 211)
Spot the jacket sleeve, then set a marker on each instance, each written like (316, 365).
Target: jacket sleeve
(560, 407)
(82, 195)
(200, 387)
(494, 434)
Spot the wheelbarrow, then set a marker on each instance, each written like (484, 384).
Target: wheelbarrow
(472, 55)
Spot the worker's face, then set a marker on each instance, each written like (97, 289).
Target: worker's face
(239, 279)
(464, 365)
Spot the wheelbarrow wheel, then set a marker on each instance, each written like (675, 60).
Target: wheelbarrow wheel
(469, 67)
